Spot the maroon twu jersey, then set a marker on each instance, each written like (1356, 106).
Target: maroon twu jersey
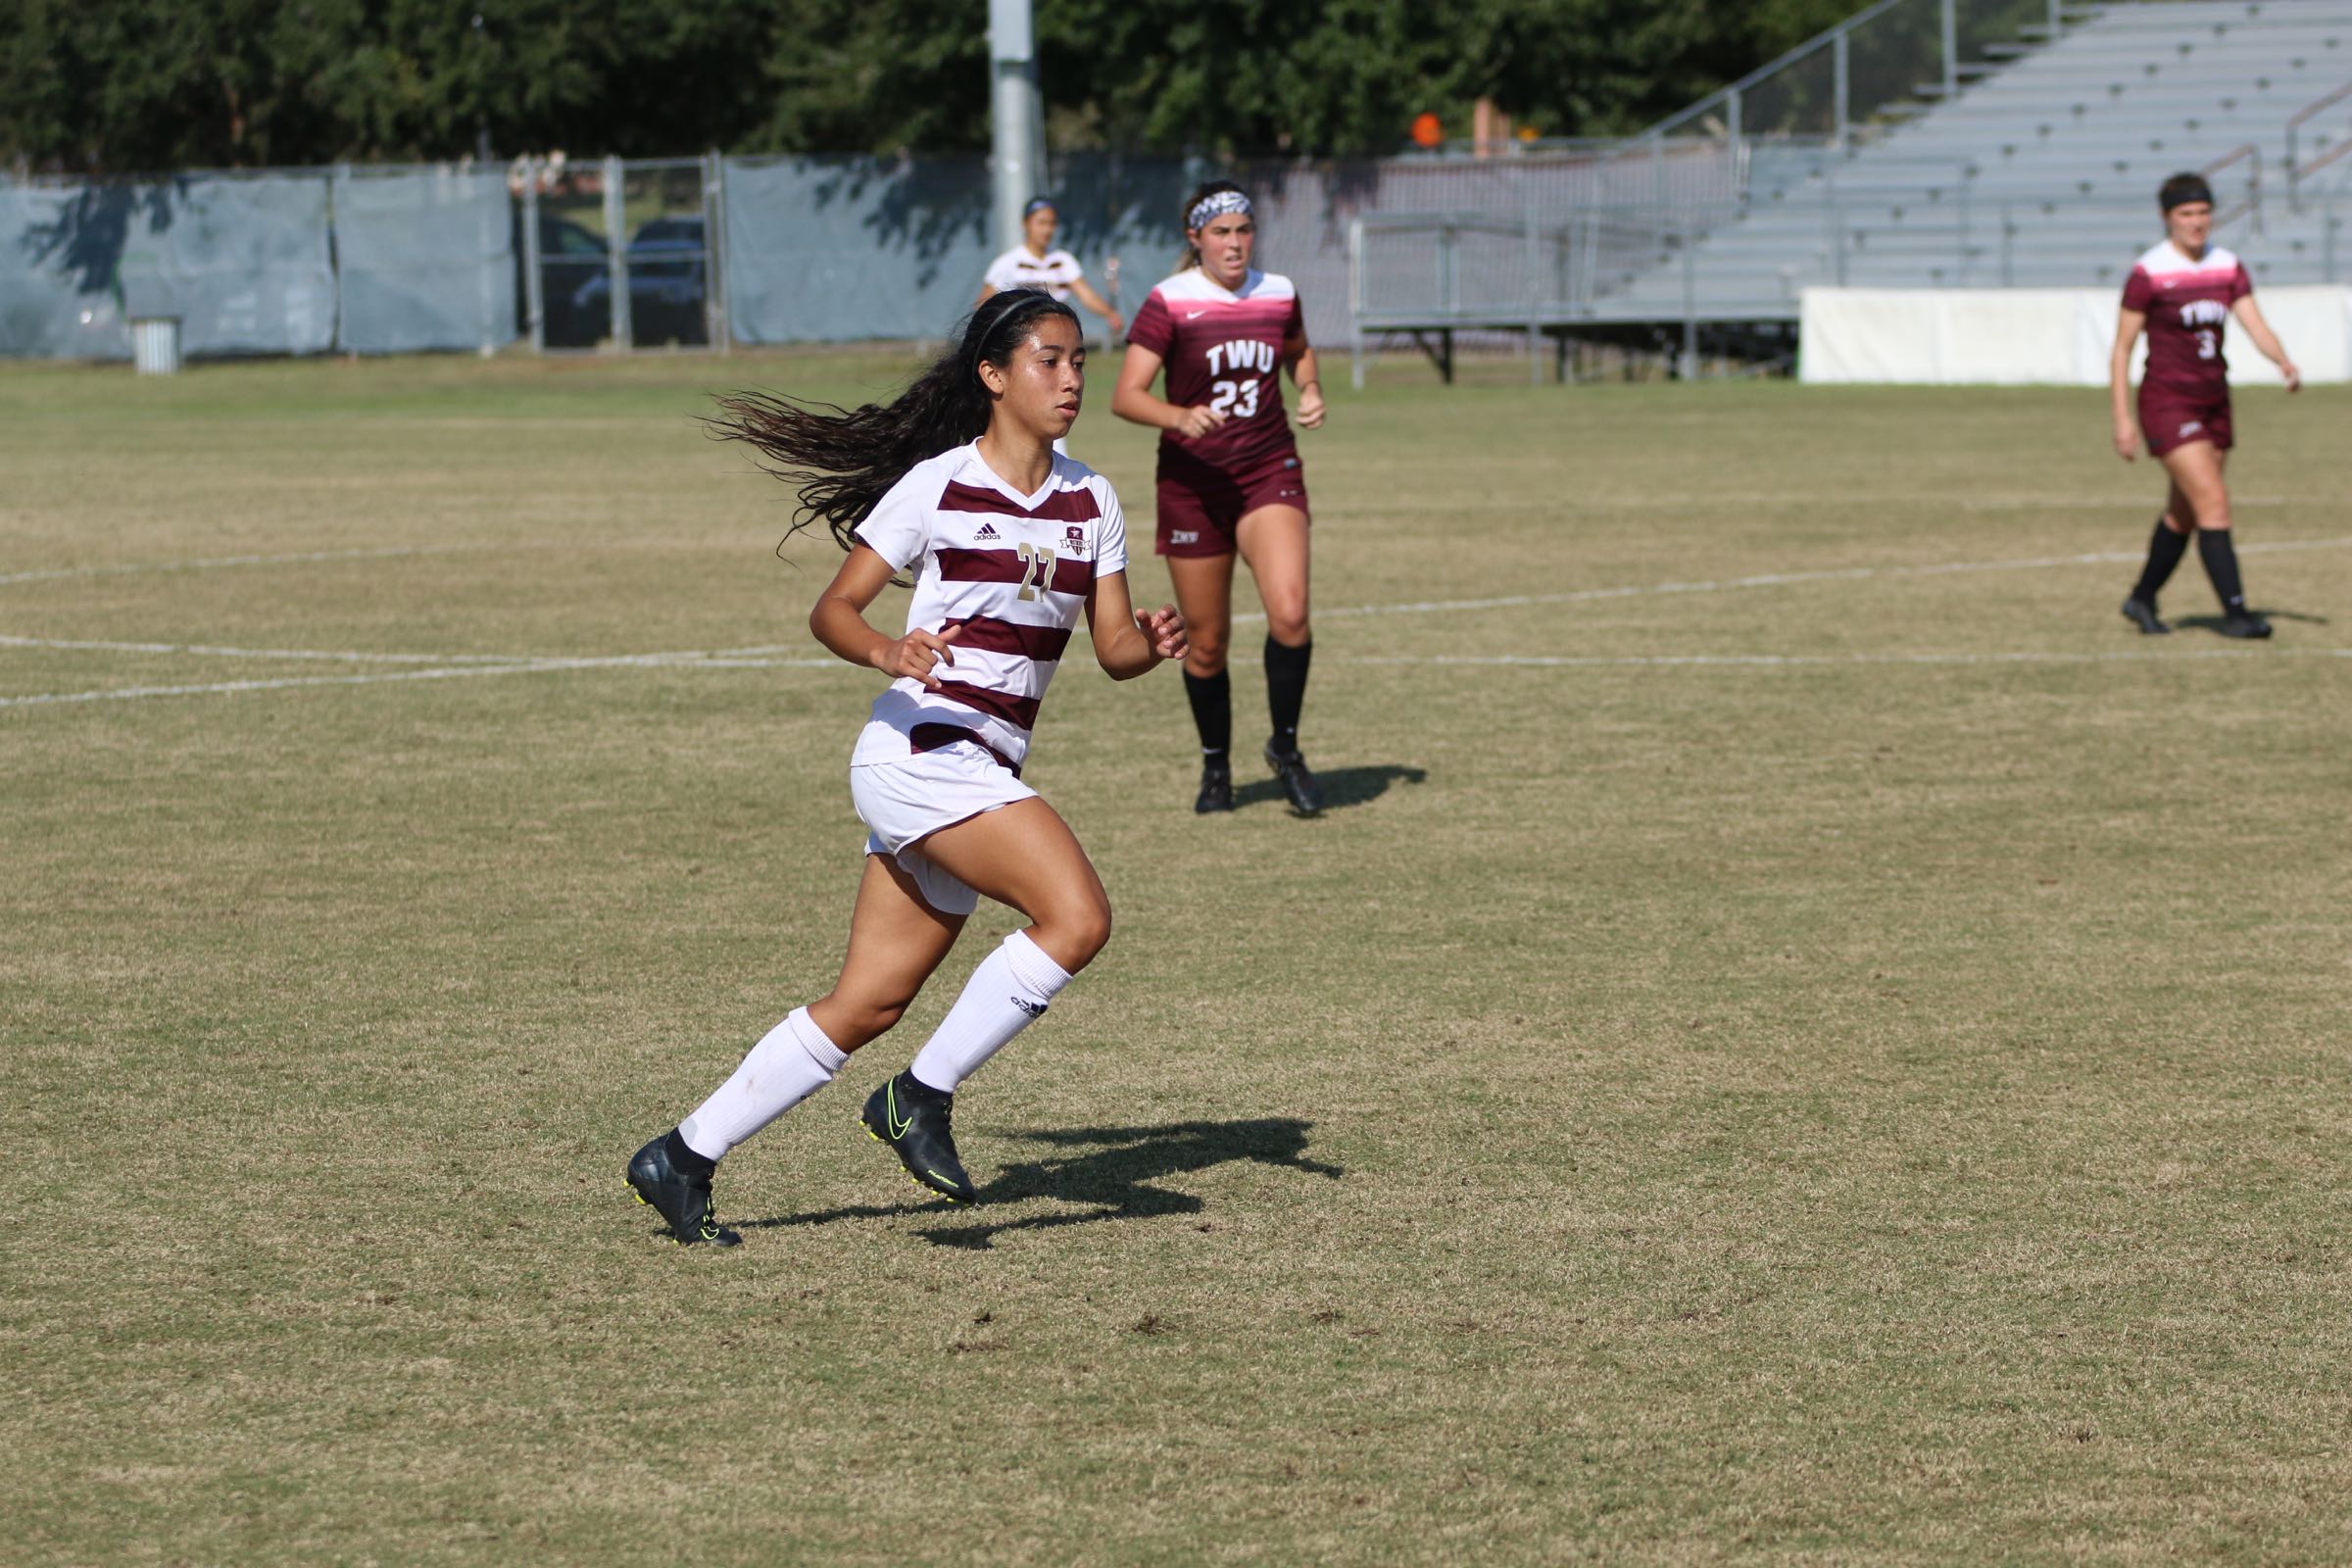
(2188, 304)
(1225, 347)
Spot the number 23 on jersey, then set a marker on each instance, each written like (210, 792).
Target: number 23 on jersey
(1237, 398)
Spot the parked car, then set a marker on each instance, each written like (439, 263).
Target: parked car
(668, 282)
(571, 257)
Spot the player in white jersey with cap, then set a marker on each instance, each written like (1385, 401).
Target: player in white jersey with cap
(958, 484)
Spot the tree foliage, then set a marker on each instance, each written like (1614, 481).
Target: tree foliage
(118, 85)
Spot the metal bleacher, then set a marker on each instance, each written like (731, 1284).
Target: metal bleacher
(2032, 159)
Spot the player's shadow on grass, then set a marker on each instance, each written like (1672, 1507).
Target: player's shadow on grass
(1111, 1169)
(1342, 786)
(2213, 623)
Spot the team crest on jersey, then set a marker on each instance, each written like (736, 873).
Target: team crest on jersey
(1073, 537)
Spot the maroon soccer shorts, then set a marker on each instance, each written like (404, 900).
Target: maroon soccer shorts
(1202, 506)
(2170, 423)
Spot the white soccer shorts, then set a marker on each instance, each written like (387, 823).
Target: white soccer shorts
(904, 800)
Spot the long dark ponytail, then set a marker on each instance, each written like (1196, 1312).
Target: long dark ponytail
(1201, 193)
(843, 461)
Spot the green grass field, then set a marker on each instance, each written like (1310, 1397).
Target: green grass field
(1803, 1039)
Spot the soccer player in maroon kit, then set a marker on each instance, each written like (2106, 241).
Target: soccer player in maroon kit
(1229, 474)
(2183, 293)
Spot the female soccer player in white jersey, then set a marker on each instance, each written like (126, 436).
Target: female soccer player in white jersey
(1036, 263)
(1229, 473)
(956, 484)
(2182, 294)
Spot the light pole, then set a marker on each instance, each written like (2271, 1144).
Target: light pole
(1018, 148)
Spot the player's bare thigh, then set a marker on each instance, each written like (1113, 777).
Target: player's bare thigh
(2196, 469)
(1205, 593)
(1274, 541)
(896, 942)
(1025, 855)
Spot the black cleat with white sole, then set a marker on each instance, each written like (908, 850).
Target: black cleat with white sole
(1304, 793)
(680, 1196)
(914, 1119)
(2139, 612)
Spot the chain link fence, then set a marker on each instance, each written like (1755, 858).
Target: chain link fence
(700, 254)
(696, 253)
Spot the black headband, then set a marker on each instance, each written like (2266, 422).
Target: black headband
(2183, 189)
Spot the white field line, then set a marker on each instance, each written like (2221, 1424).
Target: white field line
(1783, 579)
(396, 551)
(1818, 661)
(541, 667)
(216, 562)
(702, 661)
(444, 667)
(82, 645)
(2090, 503)
(338, 656)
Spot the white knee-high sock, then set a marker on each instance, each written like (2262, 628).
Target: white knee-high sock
(1005, 996)
(792, 1061)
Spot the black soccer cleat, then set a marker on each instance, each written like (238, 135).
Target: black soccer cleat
(2139, 612)
(1216, 787)
(680, 1196)
(2245, 623)
(1306, 795)
(913, 1119)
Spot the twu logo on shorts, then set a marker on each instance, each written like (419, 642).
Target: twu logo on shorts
(2192, 427)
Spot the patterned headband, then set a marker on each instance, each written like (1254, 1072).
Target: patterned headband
(1217, 206)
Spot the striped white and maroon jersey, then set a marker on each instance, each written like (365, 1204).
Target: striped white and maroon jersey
(2186, 301)
(1053, 272)
(1013, 571)
(1225, 347)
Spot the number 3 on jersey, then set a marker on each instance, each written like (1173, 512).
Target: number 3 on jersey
(2207, 344)
(1037, 569)
(1228, 392)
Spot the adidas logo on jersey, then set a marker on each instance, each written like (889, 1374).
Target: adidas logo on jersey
(988, 530)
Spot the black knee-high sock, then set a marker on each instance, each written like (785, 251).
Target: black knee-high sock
(1286, 690)
(1211, 697)
(2221, 565)
(2165, 550)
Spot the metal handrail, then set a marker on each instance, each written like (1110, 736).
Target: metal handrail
(1730, 101)
(1576, 271)
(1726, 100)
(2317, 164)
(1474, 222)
(2295, 170)
(2253, 202)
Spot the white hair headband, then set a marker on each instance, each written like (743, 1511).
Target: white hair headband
(1217, 205)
